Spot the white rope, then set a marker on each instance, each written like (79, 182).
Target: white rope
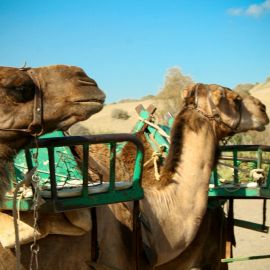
(26, 182)
(155, 158)
(156, 154)
(160, 130)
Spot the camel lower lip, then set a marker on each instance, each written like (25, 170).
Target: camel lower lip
(89, 102)
(260, 128)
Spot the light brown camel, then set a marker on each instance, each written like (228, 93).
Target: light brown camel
(36, 101)
(176, 230)
(172, 208)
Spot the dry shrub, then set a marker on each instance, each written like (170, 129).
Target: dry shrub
(120, 114)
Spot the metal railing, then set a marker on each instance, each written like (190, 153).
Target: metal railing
(112, 195)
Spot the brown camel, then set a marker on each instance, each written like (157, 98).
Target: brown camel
(173, 208)
(177, 231)
(68, 95)
(34, 101)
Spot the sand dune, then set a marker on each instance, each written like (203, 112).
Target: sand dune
(262, 92)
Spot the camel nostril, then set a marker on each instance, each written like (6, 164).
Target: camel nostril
(263, 108)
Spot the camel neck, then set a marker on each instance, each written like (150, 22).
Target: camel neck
(193, 170)
(182, 202)
(197, 155)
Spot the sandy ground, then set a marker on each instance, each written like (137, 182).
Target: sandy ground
(103, 122)
(252, 243)
(262, 92)
(249, 243)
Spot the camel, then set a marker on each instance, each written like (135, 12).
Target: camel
(176, 229)
(68, 95)
(34, 101)
(173, 209)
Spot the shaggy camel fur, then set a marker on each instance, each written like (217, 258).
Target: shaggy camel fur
(68, 96)
(177, 231)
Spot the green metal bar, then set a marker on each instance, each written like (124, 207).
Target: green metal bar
(112, 165)
(238, 259)
(259, 158)
(240, 193)
(85, 170)
(268, 180)
(154, 147)
(264, 215)
(25, 204)
(144, 115)
(235, 164)
(28, 159)
(137, 176)
(245, 159)
(159, 138)
(265, 193)
(251, 225)
(52, 173)
(244, 148)
(115, 196)
(215, 174)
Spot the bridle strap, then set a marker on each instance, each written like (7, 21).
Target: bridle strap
(35, 128)
(215, 115)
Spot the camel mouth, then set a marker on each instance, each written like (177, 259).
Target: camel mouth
(261, 128)
(90, 104)
(90, 101)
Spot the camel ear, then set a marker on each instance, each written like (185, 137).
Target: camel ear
(220, 93)
(191, 92)
(188, 91)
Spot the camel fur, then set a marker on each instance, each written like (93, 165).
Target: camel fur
(178, 231)
(174, 208)
(68, 96)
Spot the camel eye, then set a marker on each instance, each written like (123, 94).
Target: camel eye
(20, 88)
(237, 99)
(21, 93)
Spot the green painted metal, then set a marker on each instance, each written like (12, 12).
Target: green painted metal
(57, 167)
(217, 189)
(112, 166)
(238, 259)
(235, 164)
(66, 167)
(234, 192)
(240, 189)
(251, 225)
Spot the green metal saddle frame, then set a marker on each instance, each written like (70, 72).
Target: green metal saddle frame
(58, 170)
(233, 153)
(58, 167)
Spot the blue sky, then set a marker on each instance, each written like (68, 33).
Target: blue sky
(127, 46)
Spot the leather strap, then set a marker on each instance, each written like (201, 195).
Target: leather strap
(35, 128)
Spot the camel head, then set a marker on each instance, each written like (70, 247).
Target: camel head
(229, 112)
(68, 95)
